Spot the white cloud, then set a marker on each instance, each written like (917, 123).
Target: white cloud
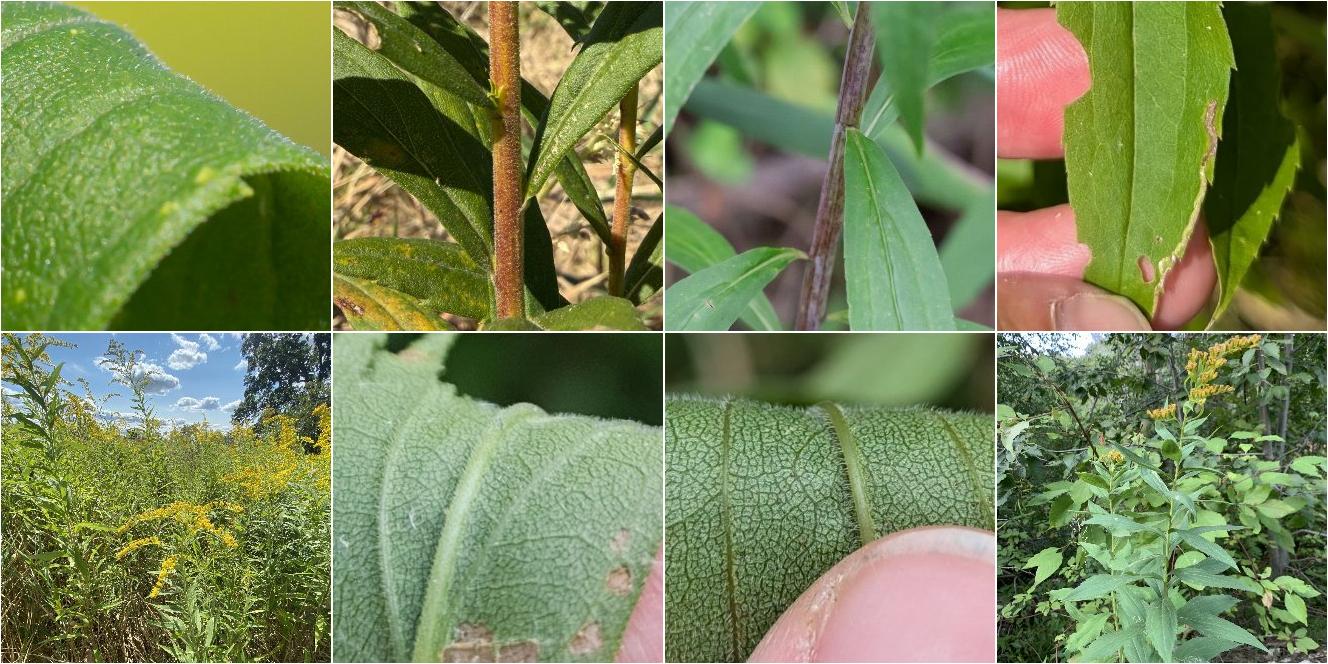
(188, 355)
(230, 407)
(242, 365)
(198, 405)
(208, 342)
(158, 381)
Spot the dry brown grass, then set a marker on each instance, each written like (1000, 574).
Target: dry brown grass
(366, 204)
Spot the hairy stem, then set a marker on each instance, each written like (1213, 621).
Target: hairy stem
(622, 200)
(853, 89)
(505, 81)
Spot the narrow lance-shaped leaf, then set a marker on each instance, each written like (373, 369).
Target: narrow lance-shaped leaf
(647, 266)
(622, 47)
(133, 198)
(469, 532)
(440, 276)
(1258, 155)
(424, 143)
(697, 32)
(891, 268)
(368, 306)
(965, 40)
(1139, 144)
(761, 502)
(694, 246)
(411, 49)
(905, 34)
(1160, 627)
(714, 297)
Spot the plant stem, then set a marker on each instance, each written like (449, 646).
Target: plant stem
(830, 210)
(505, 81)
(622, 200)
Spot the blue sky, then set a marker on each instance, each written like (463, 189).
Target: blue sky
(192, 376)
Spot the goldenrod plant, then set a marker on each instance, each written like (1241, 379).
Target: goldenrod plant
(156, 543)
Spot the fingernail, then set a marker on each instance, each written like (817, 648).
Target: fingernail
(1097, 312)
(924, 594)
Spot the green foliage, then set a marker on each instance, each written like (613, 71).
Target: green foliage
(185, 212)
(715, 296)
(1162, 513)
(285, 373)
(924, 45)
(149, 545)
(847, 474)
(454, 515)
(418, 108)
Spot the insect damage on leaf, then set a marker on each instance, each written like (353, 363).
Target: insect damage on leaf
(587, 640)
(619, 581)
(474, 643)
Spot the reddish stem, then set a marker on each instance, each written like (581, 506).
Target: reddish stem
(505, 80)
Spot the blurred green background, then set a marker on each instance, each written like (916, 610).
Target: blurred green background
(272, 59)
(953, 370)
(605, 375)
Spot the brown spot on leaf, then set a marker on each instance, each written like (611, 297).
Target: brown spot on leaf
(347, 305)
(520, 651)
(620, 541)
(619, 581)
(473, 642)
(1146, 269)
(587, 640)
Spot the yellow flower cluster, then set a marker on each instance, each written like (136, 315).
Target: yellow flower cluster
(1201, 393)
(283, 458)
(324, 415)
(1202, 366)
(137, 544)
(167, 566)
(196, 516)
(1165, 412)
(1113, 457)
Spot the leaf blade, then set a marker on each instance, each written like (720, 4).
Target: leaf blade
(714, 297)
(694, 245)
(891, 268)
(696, 32)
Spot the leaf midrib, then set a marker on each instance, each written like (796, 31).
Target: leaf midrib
(880, 237)
(732, 285)
(726, 507)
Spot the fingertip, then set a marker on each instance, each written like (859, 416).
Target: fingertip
(1189, 285)
(643, 639)
(1040, 69)
(1042, 241)
(924, 594)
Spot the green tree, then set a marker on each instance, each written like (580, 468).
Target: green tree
(286, 373)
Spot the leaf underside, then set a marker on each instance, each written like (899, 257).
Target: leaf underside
(469, 532)
(1139, 145)
(739, 552)
(129, 191)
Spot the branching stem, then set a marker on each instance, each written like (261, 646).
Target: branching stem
(830, 211)
(622, 200)
(505, 81)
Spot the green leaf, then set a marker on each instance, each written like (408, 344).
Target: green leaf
(694, 246)
(730, 541)
(1099, 585)
(625, 43)
(426, 143)
(968, 240)
(1151, 478)
(1258, 156)
(575, 17)
(454, 515)
(696, 32)
(1139, 144)
(1202, 649)
(368, 306)
(965, 40)
(1206, 605)
(801, 130)
(133, 198)
(647, 265)
(1296, 607)
(1212, 626)
(541, 277)
(892, 271)
(1202, 578)
(1275, 508)
(409, 48)
(597, 313)
(1309, 465)
(714, 297)
(1047, 562)
(440, 275)
(1105, 648)
(905, 35)
(1160, 627)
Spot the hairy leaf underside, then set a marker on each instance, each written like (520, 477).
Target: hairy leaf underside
(763, 499)
(470, 532)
